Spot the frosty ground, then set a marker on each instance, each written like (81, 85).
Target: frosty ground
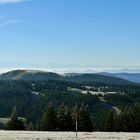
(10, 135)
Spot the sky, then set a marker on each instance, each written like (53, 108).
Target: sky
(70, 34)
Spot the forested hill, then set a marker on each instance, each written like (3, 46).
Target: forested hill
(32, 91)
(29, 75)
(77, 78)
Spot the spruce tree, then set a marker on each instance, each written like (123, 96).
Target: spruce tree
(15, 123)
(135, 116)
(110, 123)
(69, 120)
(61, 118)
(88, 122)
(49, 120)
(84, 122)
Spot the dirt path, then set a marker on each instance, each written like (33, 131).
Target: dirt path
(117, 110)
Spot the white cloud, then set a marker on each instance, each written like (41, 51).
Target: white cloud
(12, 1)
(11, 21)
(5, 21)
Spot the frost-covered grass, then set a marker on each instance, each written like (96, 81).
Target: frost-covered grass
(10, 135)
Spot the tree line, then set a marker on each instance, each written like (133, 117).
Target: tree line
(62, 120)
(127, 121)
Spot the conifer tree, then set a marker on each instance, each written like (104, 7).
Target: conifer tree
(88, 122)
(61, 117)
(110, 122)
(69, 120)
(84, 122)
(49, 121)
(135, 116)
(15, 123)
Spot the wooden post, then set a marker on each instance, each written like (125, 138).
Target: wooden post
(76, 123)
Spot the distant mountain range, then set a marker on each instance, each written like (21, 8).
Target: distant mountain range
(33, 75)
(133, 77)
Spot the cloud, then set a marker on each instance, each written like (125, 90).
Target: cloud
(11, 1)
(11, 21)
(5, 21)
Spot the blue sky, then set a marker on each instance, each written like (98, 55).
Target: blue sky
(70, 33)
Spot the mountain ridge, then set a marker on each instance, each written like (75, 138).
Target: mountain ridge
(133, 77)
(35, 75)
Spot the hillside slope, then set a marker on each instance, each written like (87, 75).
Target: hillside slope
(29, 75)
(78, 78)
